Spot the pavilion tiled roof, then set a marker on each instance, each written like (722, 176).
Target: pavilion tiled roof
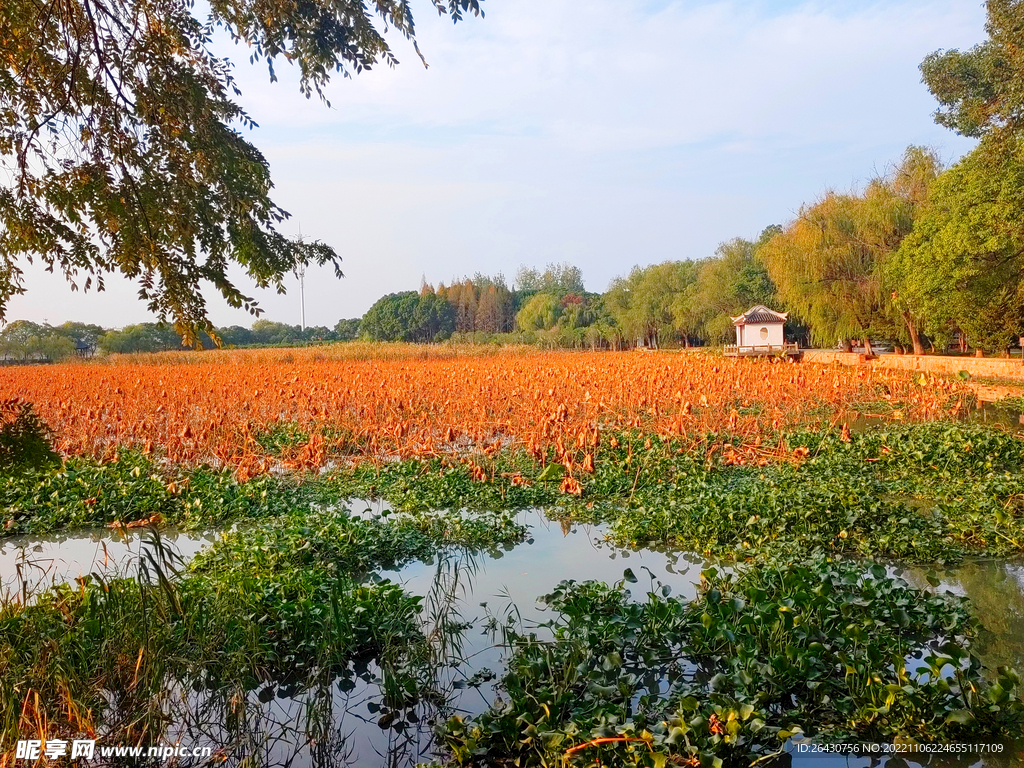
(760, 314)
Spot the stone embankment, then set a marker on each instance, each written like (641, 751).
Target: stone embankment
(1008, 370)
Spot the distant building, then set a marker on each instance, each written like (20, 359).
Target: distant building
(760, 331)
(760, 326)
(84, 349)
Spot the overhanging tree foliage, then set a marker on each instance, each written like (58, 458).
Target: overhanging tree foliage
(980, 91)
(120, 142)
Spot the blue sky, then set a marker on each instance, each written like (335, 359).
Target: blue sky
(608, 133)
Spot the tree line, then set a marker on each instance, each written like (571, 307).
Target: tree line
(831, 268)
(22, 341)
(676, 302)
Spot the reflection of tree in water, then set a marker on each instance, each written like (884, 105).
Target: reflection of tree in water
(996, 590)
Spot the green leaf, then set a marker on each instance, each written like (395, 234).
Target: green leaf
(551, 473)
(960, 716)
(612, 661)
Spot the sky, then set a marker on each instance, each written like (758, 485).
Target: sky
(608, 134)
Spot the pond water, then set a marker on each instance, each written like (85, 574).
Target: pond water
(993, 414)
(31, 563)
(987, 413)
(463, 588)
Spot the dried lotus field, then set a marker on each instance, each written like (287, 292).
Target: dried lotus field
(230, 408)
(463, 556)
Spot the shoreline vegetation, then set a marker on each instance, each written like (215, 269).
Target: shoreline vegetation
(798, 629)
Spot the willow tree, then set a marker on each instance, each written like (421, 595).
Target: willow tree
(729, 283)
(828, 264)
(646, 303)
(121, 147)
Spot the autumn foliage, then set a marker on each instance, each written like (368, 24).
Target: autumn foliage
(214, 408)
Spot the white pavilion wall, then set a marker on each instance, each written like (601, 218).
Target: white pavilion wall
(751, 335)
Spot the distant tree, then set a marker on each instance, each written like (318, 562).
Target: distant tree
(577, 312)
(316, 333)
(84, 333)
(647, 304)
(482, 281)
(26, 341)
(347, 330)
(528, 281)
(463, 297)
(602, 330)
(433, 319)
(726, 285)
(144, 337)
(17, 339)
(540, 313)
(494, 309)
(269, 332)
(557, 279)
(55, 347)
(390, 318)
(236, 336)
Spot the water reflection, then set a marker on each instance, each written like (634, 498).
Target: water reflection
(461, 588)
(29, 564)
(996, 590)
(987, 413)
(995, 415)
(382, 711)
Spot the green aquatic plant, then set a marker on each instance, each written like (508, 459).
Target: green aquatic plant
(934, 492)
(1010, 403)
(277, 437)
(83, 493)
(922, 493)
(819, 649)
